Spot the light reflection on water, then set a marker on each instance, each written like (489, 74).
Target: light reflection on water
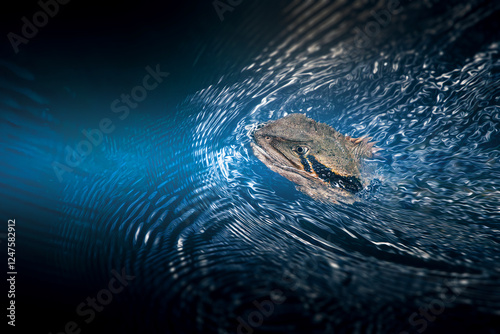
(208, 229)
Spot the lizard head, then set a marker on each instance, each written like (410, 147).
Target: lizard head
(300, 145)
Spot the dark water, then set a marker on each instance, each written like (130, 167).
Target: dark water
(216, 241)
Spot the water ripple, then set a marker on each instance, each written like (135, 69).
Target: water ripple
(209, 231)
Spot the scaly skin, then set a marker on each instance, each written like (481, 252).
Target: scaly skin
(323, 163)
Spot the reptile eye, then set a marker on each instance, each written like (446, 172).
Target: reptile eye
(268, 138)
(301, 149)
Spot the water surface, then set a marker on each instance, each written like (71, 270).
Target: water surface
(218, 243)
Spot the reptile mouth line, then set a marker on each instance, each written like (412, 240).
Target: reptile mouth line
(348, 183)
(310, 164)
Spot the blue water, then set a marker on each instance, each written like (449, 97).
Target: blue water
(217, 242)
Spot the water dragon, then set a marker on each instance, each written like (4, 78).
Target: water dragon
(322, 162)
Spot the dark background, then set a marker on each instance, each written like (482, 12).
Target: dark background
(95, 40)
(84, 53)
(91, 52)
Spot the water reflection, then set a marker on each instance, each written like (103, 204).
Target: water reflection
(212, 235)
